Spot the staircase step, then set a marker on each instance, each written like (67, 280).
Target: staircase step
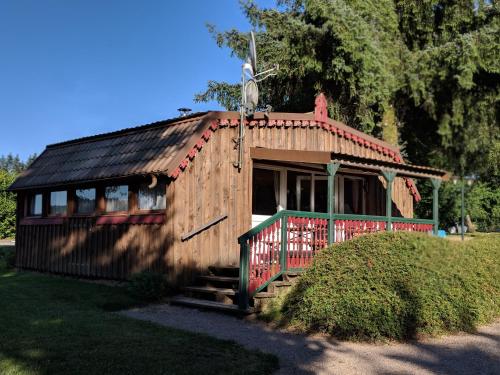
(223, 279)
(211, 289)
(230, 271)
(265, 295)
(209, 305)
(281, 283)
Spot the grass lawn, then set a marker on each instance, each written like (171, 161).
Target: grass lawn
(51, 325)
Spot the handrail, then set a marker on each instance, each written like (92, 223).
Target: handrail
(413, 221)
(194, 232)
(290, 239)
(258, 228)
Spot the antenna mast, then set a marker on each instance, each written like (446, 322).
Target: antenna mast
(249, 93)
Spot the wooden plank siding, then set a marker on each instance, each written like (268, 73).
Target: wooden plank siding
(210, 186)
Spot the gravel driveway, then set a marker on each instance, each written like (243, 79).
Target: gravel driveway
(459, 354)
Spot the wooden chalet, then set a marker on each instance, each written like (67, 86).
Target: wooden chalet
(167, 197)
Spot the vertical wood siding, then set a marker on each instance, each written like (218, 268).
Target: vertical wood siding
(209, 187)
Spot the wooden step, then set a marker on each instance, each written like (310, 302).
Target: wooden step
(230, 271)
(211, 289)
(219, 281)
(224, 279)
(265, 295)
(281, 283)
(209, 305)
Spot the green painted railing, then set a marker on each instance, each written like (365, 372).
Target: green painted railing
(289, 240)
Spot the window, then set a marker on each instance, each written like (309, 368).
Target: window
(84, 201)
(35, 205)
(152, 198)
(266, 191)
(58, 202)
(353, 195)
(116, 198)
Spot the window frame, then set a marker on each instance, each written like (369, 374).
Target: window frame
(137, 209)
(74, 205)
(30, 204)
(49, 204)
(103, 203)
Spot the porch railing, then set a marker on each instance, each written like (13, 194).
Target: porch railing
(289, 240)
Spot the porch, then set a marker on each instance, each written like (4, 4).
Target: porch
(302, 201)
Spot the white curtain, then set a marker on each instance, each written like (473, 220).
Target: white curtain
(277, 190)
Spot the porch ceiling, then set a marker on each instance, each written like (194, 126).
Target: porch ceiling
(365, 164)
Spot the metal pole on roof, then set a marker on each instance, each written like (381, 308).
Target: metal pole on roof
(242, 120)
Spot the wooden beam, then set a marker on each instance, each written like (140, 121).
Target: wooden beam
(313, 157)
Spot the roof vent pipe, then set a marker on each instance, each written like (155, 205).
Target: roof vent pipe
(183, 112)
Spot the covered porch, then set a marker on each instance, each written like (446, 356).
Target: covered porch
(302, 201)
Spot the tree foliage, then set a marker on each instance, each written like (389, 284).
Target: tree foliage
(434, 63)
(422, 74)
(10, 167)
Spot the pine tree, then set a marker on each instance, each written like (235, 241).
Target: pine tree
(429, 68)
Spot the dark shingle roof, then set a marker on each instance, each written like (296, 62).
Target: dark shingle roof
(140, 150)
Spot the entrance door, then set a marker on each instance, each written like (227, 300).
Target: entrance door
(269, 193)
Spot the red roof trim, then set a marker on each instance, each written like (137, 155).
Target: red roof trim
(360, 139)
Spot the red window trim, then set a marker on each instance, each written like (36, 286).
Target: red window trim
(37, 220)
(151, 218)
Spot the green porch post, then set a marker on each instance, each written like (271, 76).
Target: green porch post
(243, 282)
(389, 178)
(436, 183)
(331, 169)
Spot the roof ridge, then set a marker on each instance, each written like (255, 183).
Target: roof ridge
(125, 131)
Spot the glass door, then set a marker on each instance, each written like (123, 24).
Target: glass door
(268, 192)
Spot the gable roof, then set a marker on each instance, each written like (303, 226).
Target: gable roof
(168, 146)
(133, 151)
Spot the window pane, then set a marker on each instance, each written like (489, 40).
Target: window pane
(36, 205)
(58, 202)
(353, 196)
(265, 192)
(152, 199)
(85, 201)
(116, 198)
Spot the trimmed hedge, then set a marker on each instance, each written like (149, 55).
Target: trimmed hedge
(148, 286)
(397, 286)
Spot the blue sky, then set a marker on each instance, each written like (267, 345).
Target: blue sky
(74, 68)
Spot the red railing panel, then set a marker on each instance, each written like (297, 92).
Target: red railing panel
(348, 229)
(264, 257)
(305, 237)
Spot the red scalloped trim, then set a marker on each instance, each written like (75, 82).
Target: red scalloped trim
(295, 123)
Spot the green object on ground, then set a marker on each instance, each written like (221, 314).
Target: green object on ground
(397, 286)
(53, 325)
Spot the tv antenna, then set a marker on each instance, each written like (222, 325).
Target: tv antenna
(250, 92)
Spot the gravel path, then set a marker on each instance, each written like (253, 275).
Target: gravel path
(459, 354)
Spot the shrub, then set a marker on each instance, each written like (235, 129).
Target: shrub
(148, 286)
(397, 286)
(7, 257)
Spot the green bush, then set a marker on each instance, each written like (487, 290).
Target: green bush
(7, 257)
(148, 286)
(397, 286)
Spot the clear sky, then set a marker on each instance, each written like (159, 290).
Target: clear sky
(71, 68)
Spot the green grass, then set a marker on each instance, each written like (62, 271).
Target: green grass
(52, 325)
(396, 286)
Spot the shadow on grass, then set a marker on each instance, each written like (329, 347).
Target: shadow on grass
(53, 325)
